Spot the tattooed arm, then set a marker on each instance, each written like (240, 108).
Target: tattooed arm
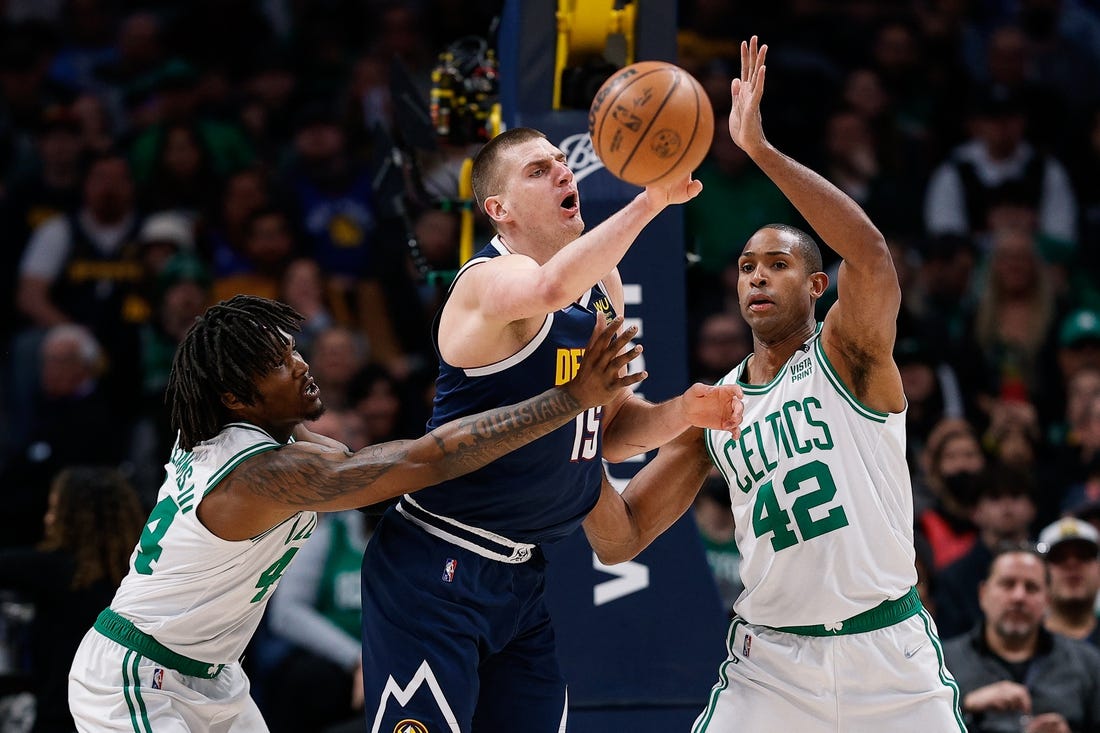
(269, 487)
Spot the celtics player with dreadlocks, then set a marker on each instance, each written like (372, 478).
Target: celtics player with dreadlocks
(243, 483)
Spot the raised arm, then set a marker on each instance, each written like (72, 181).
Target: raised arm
(269, 487)
(623, 525)
(520, 288)
(861, 327)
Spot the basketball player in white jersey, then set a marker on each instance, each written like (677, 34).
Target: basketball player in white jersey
(240, 498)
(829, 635)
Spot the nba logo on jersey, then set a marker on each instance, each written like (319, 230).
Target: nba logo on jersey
(449, 569)
(158, 678)
(746, 647)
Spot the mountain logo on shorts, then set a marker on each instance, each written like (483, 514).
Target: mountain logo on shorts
(410, 726)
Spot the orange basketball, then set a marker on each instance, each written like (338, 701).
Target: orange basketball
(651, 121)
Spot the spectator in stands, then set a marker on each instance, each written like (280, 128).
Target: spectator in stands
(1003, 514)
(269, 247)
(1016, 314)
(338, 353)
(83, 267)
(53, 189)
(714, 519)
(1071, 548)
(722, 341)
(72, 421)
(303, 289)
(949, 469)
(996, 166)
(91, 524)
(1013, 674)
(1079, 342)
(318, 610)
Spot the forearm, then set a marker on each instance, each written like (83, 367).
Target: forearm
(836, 218)
(310, 476)
(621, 526)
(638, 427)
(594, 254)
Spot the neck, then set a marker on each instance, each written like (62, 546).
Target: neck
(769, 356)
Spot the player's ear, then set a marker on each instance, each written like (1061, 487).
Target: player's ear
(819, 282)
(494, 208)
(231, 401)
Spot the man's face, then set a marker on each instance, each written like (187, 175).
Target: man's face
(288, 394)
(1014, 597)
(1074, 572)
(538, 192)
(109, 190)
(774, 289)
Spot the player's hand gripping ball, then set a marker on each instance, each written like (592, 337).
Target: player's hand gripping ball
(651, 122)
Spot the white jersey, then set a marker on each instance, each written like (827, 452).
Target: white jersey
(195, 593)
(821, 496)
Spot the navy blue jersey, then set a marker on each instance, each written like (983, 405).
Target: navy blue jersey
(544, 490)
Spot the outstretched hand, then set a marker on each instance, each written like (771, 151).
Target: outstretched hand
(720, 407)
(599, 377)
(678, 191)
(746, 91)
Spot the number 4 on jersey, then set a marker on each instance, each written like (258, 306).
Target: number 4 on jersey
(769, 518)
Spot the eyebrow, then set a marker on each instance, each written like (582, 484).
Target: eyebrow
(769, 253)
(543, 160)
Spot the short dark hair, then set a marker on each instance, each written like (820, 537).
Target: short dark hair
(485, 173)
(806, 246)
(225, 350)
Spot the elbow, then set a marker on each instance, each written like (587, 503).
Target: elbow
(616, 554)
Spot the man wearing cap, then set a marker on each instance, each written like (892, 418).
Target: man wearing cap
(1013, 674)
(1071, 547)
(1079, 342)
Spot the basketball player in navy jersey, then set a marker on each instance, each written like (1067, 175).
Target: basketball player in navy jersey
(457, 636)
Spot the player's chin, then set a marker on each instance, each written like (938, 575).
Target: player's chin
(315, 410)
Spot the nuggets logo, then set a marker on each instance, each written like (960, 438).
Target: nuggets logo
(410, 726)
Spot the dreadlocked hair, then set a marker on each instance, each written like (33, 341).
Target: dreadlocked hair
(96, 516)
(225, 350)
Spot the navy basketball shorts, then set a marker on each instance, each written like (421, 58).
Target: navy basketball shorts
(455, 641)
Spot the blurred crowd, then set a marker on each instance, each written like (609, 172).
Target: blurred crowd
(158, 156)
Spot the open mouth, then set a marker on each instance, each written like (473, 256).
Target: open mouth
(759, 301)
(311, 390)
(569, 202)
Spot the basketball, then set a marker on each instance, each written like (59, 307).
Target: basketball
(651, 121)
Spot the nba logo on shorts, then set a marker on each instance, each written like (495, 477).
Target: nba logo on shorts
(158, 678)
(449, 569)
(746, 647)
